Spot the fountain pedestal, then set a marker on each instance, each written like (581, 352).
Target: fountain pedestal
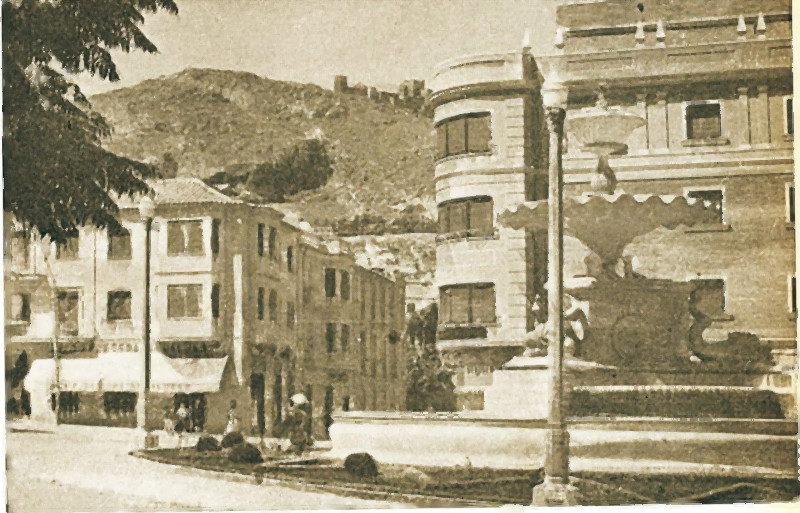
(520, 389)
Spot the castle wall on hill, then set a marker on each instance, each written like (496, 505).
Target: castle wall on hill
(411, 94)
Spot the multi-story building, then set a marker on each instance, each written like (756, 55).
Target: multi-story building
(491, 156)
(714, 84)
(234, 316)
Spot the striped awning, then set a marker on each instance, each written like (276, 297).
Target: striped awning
(121, 372)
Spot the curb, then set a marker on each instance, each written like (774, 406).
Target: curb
(301, 485)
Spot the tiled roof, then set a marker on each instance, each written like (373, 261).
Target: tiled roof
(172, 191)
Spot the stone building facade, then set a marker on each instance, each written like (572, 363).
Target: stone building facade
(491, 156)
(229, 318)
(714, 83)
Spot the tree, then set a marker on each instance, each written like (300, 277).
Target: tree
(57, 176)
(169, 166)
(430, 383)
(304, 166)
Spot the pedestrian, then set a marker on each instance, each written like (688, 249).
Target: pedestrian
(233, 419)
(200, 413)
(293, 426)
(182, 425)
(169, 421)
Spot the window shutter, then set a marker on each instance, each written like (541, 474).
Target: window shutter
(479, 133)
(457, 136)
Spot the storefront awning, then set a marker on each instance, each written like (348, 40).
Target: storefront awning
(121, 372)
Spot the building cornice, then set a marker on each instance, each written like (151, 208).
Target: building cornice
(483, 89)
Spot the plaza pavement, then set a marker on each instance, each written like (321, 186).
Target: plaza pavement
(78, 468)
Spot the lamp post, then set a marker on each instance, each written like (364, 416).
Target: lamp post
(556, 489)
(146, 212)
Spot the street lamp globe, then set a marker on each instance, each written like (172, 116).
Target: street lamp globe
(147, 208)
(554, 92)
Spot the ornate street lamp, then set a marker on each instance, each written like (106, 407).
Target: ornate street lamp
(146, 212)
(556, 488)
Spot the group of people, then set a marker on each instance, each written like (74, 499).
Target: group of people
(188, 415)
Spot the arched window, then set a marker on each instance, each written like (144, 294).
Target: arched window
(273, 306)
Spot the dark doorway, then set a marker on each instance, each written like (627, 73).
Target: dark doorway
(257, 387)
(327, 418)
(346, 403)
(277, 394)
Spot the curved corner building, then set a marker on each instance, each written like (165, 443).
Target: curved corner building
(491, 155)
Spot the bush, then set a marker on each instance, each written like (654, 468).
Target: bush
(208, 443)
(232, 439)
(245, 453)
(361, 464)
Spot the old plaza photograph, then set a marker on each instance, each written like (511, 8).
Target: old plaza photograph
(324, 254)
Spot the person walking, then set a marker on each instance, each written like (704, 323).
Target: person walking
(233, 419)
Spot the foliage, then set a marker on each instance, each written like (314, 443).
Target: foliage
(19, 371)
(232, 439)
(430, 383)
(361, 464)
(208, 444)
(303, 167)
(375, 224)
(245, 453)
(57, 176)
(168, 167)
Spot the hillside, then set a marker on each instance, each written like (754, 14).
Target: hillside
(213, 122)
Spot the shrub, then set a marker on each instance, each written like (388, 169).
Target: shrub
(245, 453)
(361, 464)
(232, 439)
(208, 443)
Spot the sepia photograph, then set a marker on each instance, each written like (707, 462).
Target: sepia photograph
(317, 255)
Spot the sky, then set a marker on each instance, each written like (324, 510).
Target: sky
(376, 42)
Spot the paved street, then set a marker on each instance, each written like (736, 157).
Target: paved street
(88, 469)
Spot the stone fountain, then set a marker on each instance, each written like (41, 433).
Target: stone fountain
(632, 341)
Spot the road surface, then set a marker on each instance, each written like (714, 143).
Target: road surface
(89, 469)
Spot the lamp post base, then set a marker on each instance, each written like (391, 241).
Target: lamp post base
(555, 492)
(146, 440)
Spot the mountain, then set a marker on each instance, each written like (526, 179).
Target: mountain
(221, 125)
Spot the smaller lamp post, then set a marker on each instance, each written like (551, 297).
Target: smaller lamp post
(556, 489)
(146, 212)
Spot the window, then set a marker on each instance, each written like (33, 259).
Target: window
(330, 282)
(713, 199)
(344, 286)
(68, 311)
(260, 304)
(372, 300)
(20, 247)
(788, 113)
(472, 304)
(290, 259)
(790, 203)
(215, 301)
(184, 301)
(793, 294)
(290, 315)
(119, 244)
(20, 308)
(461, 135)
(118, 305)
(273, 306)
(215, 225)
(467, 217)
(68, 250)
(119, 403)
(330, 337)
(703, 121)
(345, 338)
(362, 339)
(185, 238)
(708, 297)
(273, 243)
(363, 295)
(260, 242)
